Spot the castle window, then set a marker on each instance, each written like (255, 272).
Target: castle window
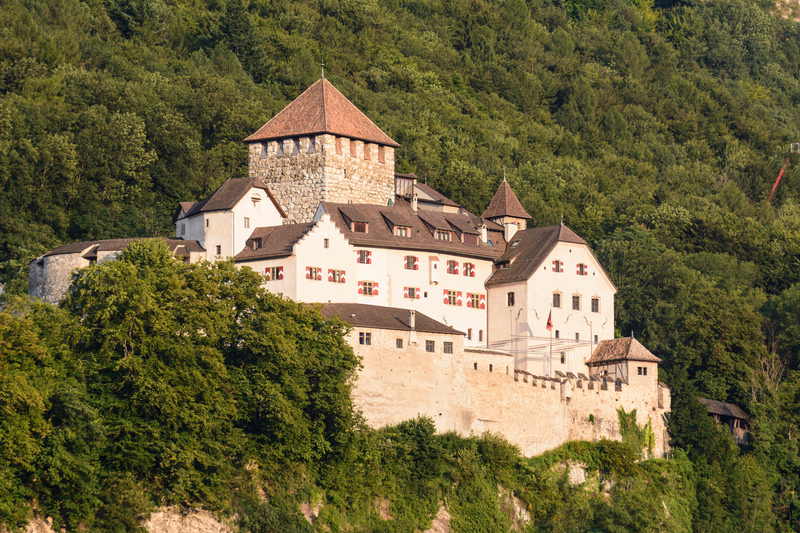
(183, 229)
(381, 158)
(326, 243)
(469, 334)
(511, 299)
(582, 271)
(577, 336)
(595, 339)
(452, 267)
(256, 203)
(364, 257)
(595, 305)
(576, 303)
(246, 222)
(411, 262)
(412, 293)
(219, 249)
(475, 301)
(451, 298)
(401, 231)
(339, 145)
(274, 273)
(470, 238)
(475, 366)
(469, 270)
(207, 221)
(641, 370)
(558, 266)
(563, 358)
(442, 235)
(480, 335)
(368, 288)
(365, 338)
(430, 346)
(491, 368)
(352, 148)
(448, 347)
(398, 343)
(313, 273)
(366, 151)
(556, 300)
(558, 334)
(360, 227)
(255, 244)
(336, 276)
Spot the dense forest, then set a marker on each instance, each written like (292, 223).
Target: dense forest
(656, 128)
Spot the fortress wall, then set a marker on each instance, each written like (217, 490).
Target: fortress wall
(51, 279)
(536, 415)
(302, 172)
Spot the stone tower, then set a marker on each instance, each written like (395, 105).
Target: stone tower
(322, 148)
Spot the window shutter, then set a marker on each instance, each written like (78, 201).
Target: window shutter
(561, 264)
(358, 255)
(375, 289)
(267, 273)
(319, 274)
(483, 301)
(342, 278)
(456, 268)
(308, 272)
(405, 261)
(369, 257)
(417, 293)
(280, 272)
(472, 272)
(360, 288)
(330, 274)
(405, 292)
(459, 301)
(469, 299)
(416, 263)
(578, 269)
(445, 296)
(554, 266)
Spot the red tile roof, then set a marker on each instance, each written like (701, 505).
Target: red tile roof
(321, 109)
(505, 203)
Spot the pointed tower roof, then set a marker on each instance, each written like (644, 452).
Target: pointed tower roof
(322, 109)
(505, 204)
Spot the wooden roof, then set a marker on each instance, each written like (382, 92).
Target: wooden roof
(723, 409)
(625, 349)
(321, 109)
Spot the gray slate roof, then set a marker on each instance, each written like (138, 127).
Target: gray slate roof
(625, 349)
(115, 245)
(276, 241)
(534, 246)
(380, 317)
(226, 197)
(422, 233)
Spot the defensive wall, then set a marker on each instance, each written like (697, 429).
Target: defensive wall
(462, 393)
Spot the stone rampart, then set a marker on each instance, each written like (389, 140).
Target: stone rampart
(462, 393)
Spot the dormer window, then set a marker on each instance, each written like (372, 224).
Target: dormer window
(359, 227)
(442, 235)
(470, 238)
(401, 231)
(515, 243)
(256, 244)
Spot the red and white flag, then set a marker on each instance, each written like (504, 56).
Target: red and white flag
(550, 321)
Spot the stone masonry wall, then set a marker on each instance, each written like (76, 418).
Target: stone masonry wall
(536, 415)
(50, 278)
(305, 171)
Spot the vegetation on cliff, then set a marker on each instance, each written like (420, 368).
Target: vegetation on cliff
(655, 127)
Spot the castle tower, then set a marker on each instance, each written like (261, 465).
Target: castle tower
(322, 148)
(506, 210)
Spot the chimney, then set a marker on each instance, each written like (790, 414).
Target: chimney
(412, 325)
(484, 234)
(414, 203)
(511, 229)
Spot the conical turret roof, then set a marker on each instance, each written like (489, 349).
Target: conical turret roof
(322, 109)
(505, 204)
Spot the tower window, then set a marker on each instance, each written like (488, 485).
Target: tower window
(219, 249)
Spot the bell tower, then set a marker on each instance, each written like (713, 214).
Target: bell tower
(322, 148)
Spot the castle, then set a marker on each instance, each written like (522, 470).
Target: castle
(476, 321)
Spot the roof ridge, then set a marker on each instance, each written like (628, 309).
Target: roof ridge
(324, 104)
